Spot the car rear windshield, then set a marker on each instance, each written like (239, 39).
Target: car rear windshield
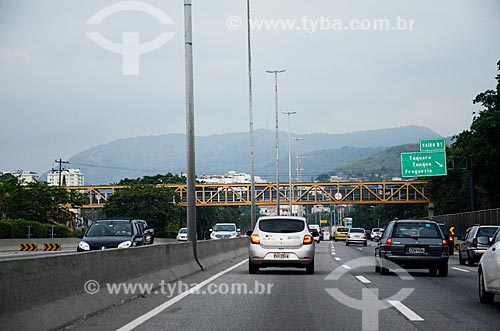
(342, 230)
(445, 229)
(357, 231)
(416, 230)
(486, 232)
(281, 226)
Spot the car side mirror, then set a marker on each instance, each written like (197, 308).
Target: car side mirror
(238, 230)
(249, 233)
(483, 240)
(210, 230)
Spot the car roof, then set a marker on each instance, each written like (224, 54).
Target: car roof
(282, 217)
(413, 221)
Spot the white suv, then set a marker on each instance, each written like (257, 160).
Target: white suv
(224, 231)
(489, 269)
(281, 241)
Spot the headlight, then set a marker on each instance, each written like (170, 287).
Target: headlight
(125, 244)
(213, 236)
(83, 246)
(233, 235)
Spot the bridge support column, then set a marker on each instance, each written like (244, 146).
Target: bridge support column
(430, 210)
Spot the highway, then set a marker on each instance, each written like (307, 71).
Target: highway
(293, 300)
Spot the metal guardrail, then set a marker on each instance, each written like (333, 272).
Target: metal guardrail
(462, 221)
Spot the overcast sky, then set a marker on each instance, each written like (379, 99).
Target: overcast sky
(61, 93)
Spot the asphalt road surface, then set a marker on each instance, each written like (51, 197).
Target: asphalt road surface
(288, 299)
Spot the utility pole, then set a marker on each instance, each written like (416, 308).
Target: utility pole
(250, 116)
(276, 72)
(61, 162)
(190, 136)
(288, 113)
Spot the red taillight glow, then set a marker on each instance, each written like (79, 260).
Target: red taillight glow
(255, 239)
(388, 243)
(445, 246)
(308, 239)
(451, 239)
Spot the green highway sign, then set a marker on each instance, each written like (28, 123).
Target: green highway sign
(423, 164)
(428, 145)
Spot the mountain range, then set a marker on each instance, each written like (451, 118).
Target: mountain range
(217, 154)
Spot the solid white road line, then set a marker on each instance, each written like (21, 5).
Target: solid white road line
(141, 319)
(463, 270)
(345, 266)
(338, 258)
(409, 314)
(360, 249)
(363, 280)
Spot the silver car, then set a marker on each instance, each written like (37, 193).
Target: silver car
(356, 236)
(281, 241)
(489, 268)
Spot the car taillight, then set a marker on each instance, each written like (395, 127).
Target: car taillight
(451, 239)
(365, 236)
(388, 244)
(255, 239)
(308, 239)
(445, 245)
(474, 242)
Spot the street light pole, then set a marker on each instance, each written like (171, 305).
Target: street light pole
(298, 157)
(190, 136)
(288, 113)
(250, 116)
(276, 72)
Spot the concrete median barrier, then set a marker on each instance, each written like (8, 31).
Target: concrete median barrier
(48, 292)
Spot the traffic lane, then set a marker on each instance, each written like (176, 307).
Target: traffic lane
(295, 301)
(444, 302)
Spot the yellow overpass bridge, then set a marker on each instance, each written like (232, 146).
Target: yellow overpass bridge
(327, 193)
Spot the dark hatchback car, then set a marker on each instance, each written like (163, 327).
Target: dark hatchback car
(105, 234)
(449, 237)
(413, 244)
(149, 232)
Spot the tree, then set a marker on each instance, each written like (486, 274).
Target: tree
(156, 205)
(37, 201)
(480, 146)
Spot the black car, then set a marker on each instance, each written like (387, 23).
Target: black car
(413, 244)
(149, 232)
(105, 234)
(449, 237)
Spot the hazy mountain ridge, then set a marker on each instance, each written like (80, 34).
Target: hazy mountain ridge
(217, 154)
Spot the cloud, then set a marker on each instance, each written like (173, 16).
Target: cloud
(10, 56)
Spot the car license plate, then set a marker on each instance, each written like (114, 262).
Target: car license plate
(416, 250)
(281, 255)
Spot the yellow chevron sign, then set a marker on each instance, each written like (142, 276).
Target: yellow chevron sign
(28, 247)
(452, 230)
(52, 247)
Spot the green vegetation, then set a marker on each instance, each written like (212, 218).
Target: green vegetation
(37, 201)
(145, 199)
(12, 229)
(475, 151)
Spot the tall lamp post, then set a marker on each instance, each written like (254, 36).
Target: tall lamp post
(250, 116)
(288, 113)
(276, 72)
